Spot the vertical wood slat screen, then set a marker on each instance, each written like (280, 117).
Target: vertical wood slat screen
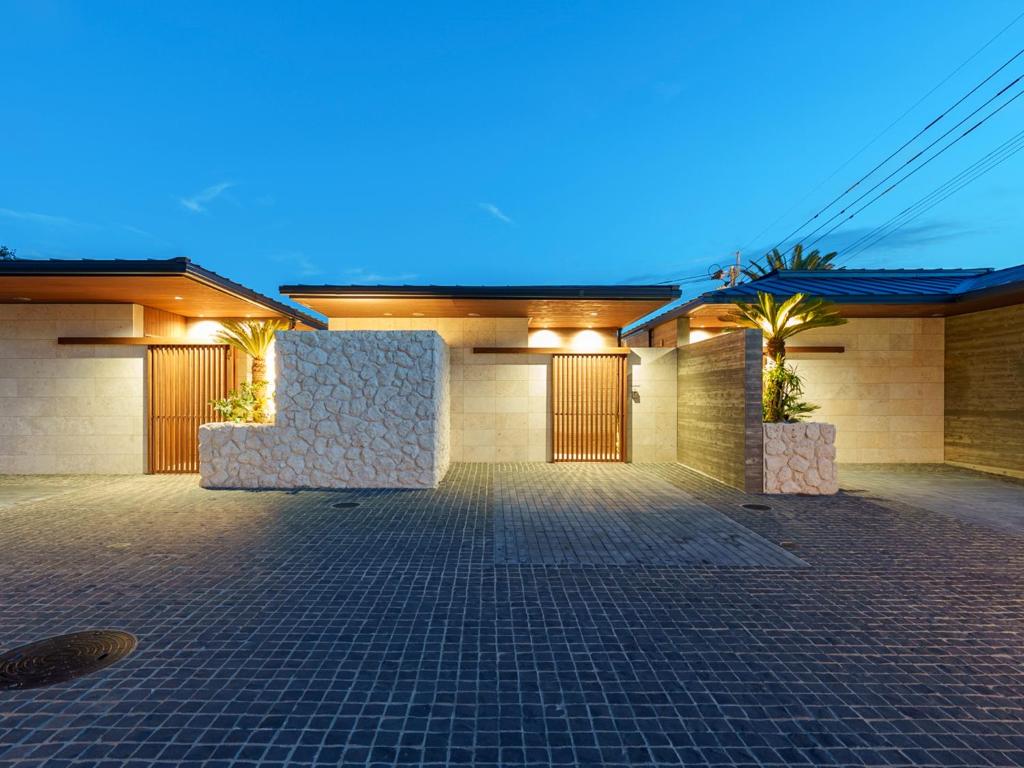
(182, 379)
(588, 407)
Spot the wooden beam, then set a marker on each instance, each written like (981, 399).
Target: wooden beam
(143, 341)
(823, 350)
(550, 351)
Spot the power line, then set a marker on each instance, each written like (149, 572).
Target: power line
(922, 165)
(965, 177)
(884, 131)
(940, 189)
(907, 143)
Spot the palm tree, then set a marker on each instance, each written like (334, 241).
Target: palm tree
(779, 321)
(796, 260)
(253, 337)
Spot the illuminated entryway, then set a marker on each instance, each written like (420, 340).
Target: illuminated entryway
(588, 407)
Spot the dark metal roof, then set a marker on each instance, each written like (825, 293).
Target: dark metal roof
(607, 292)
(856, 286)
(179, 265)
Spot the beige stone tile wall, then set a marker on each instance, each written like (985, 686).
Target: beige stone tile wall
(884, 393)
(653, 378)
(70, 409)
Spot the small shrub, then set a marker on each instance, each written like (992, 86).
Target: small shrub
(781, 395)
(245, 405)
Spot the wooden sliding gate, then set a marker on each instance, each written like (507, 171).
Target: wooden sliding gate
(181, 381)
(588, 407)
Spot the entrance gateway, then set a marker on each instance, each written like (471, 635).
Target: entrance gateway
(588, 407)
(182, 379)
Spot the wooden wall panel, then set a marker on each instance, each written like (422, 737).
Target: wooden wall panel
(640, 338)
(984, 390)
(588, 407)
(157, 322)
(664, 335)
(719, 428)
(181, 381)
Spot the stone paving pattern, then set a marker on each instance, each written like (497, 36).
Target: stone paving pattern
(275, 629)
(599, 514)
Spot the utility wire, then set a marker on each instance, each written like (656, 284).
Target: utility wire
(907, 143)
(965, 177)
(884, 131)
(899, 181)
(950, 193)
(914, 158)
(939, 190)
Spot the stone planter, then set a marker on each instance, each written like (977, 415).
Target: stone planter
(800, 458)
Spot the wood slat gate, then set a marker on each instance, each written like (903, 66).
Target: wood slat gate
(588, 402)
(181, 381)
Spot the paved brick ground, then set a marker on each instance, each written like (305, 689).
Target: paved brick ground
(991, 500)
(276, 630)
(605, 514)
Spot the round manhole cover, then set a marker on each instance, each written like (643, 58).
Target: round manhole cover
(345, 504)
(756, 507)
(62, 658)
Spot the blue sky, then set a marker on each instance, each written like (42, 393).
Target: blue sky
(489, 142)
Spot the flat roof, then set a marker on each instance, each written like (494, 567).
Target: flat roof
(175, 285)
(554, 306)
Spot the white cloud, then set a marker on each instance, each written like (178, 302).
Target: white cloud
(38, 218)
(361, 275)
(496, 212)
(299, 263)
(197, 203)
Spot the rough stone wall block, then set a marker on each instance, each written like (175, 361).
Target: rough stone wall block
(355, 409)
(800, 458)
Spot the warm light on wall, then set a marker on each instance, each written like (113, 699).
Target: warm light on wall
(586, 341)
(545, 338)
(202, 330)
(698, 334)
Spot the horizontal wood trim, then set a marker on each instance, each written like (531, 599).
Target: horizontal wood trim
(142, 341)
(549, 351)
(804, 350)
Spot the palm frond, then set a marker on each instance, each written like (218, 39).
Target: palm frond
(797, 259)
(781, 320)
(251, 336)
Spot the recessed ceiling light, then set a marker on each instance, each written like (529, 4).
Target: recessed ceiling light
(474, 314)
(417, 314)
(177, 298)
(387, 314)
(593, 314)
(20, 298)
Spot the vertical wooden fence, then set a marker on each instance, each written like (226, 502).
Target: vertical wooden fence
(181, 381)
(588, 402)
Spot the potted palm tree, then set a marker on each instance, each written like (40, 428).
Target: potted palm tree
(253, 337)
(799, 457)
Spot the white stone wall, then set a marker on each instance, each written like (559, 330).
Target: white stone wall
(71, 409)
(800, 458)
(499, 402)
(354, 410)
(653, 378)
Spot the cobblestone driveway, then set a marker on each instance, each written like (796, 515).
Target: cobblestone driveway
(276, 629)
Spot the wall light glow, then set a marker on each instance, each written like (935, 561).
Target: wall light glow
(586, 341)
(202, 330)
(545, 338)
(699, 334)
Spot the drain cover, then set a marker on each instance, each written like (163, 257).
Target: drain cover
(62, 658)
(345, 504)
(756, 507)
